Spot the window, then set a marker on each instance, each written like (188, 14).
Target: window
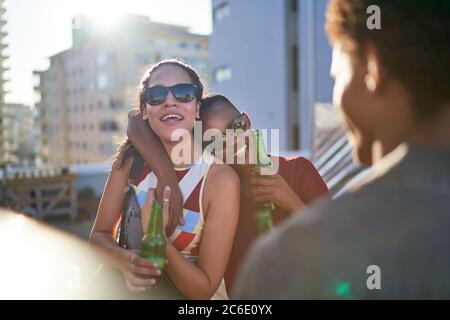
(189, 45)
(105, 57)
(108, 125)
(102, 59)
(222, 74)
(221, 11)
(115, 104)
(103, 81)
(104, 102)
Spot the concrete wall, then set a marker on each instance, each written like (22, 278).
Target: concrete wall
(251, 40)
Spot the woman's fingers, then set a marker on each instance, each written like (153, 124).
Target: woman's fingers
(141, 262)
(145, 271)
(263, 198)
(166, 206)
(137, 282)
(262, 181)
(261, 190)
(132, 288)
(150, 197)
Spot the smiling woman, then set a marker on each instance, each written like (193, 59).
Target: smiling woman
(197, 251)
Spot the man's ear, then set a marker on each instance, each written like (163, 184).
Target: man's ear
(374, 76)
(144, 113)
(247, 118)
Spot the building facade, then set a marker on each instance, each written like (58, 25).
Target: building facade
(88, 90)
(4, 146)
(21, 134)
(272, 59)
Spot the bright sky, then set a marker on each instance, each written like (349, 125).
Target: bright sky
(38, 29)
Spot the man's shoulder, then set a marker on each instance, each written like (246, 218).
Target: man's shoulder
(352, 205)
(380, 223)
(289, 166)
(293, 161)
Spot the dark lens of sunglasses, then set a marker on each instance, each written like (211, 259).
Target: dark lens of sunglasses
(156, 95)
(240, 123)
(184, 92)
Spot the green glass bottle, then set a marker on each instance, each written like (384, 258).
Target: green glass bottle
(153, 245)
(264, 212)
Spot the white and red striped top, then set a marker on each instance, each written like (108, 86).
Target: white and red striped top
(186, 238)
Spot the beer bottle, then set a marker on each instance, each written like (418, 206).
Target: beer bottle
(264, 212)
(153, 244)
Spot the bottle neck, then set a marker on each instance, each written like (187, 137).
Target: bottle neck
(261, 152)
(155, 223)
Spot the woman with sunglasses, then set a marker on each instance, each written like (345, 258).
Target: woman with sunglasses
(296, 185)
(198, 250)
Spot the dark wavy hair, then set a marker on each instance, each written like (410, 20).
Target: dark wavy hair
(126, 149)
(413, 44)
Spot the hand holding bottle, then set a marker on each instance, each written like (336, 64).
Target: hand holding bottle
(137, 272)
(147, 209)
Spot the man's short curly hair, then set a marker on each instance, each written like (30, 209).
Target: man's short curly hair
(413, 44)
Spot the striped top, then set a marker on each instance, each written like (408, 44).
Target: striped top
(187, 238)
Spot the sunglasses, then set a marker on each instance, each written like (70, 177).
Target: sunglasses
(183, 92)
(242, 121)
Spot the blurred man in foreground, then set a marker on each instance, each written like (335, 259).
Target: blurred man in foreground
(39, 262)
(388, 238)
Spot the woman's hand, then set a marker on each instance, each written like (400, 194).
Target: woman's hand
(137, 272)
(175, 210)
(146, 209)
(274, 188)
